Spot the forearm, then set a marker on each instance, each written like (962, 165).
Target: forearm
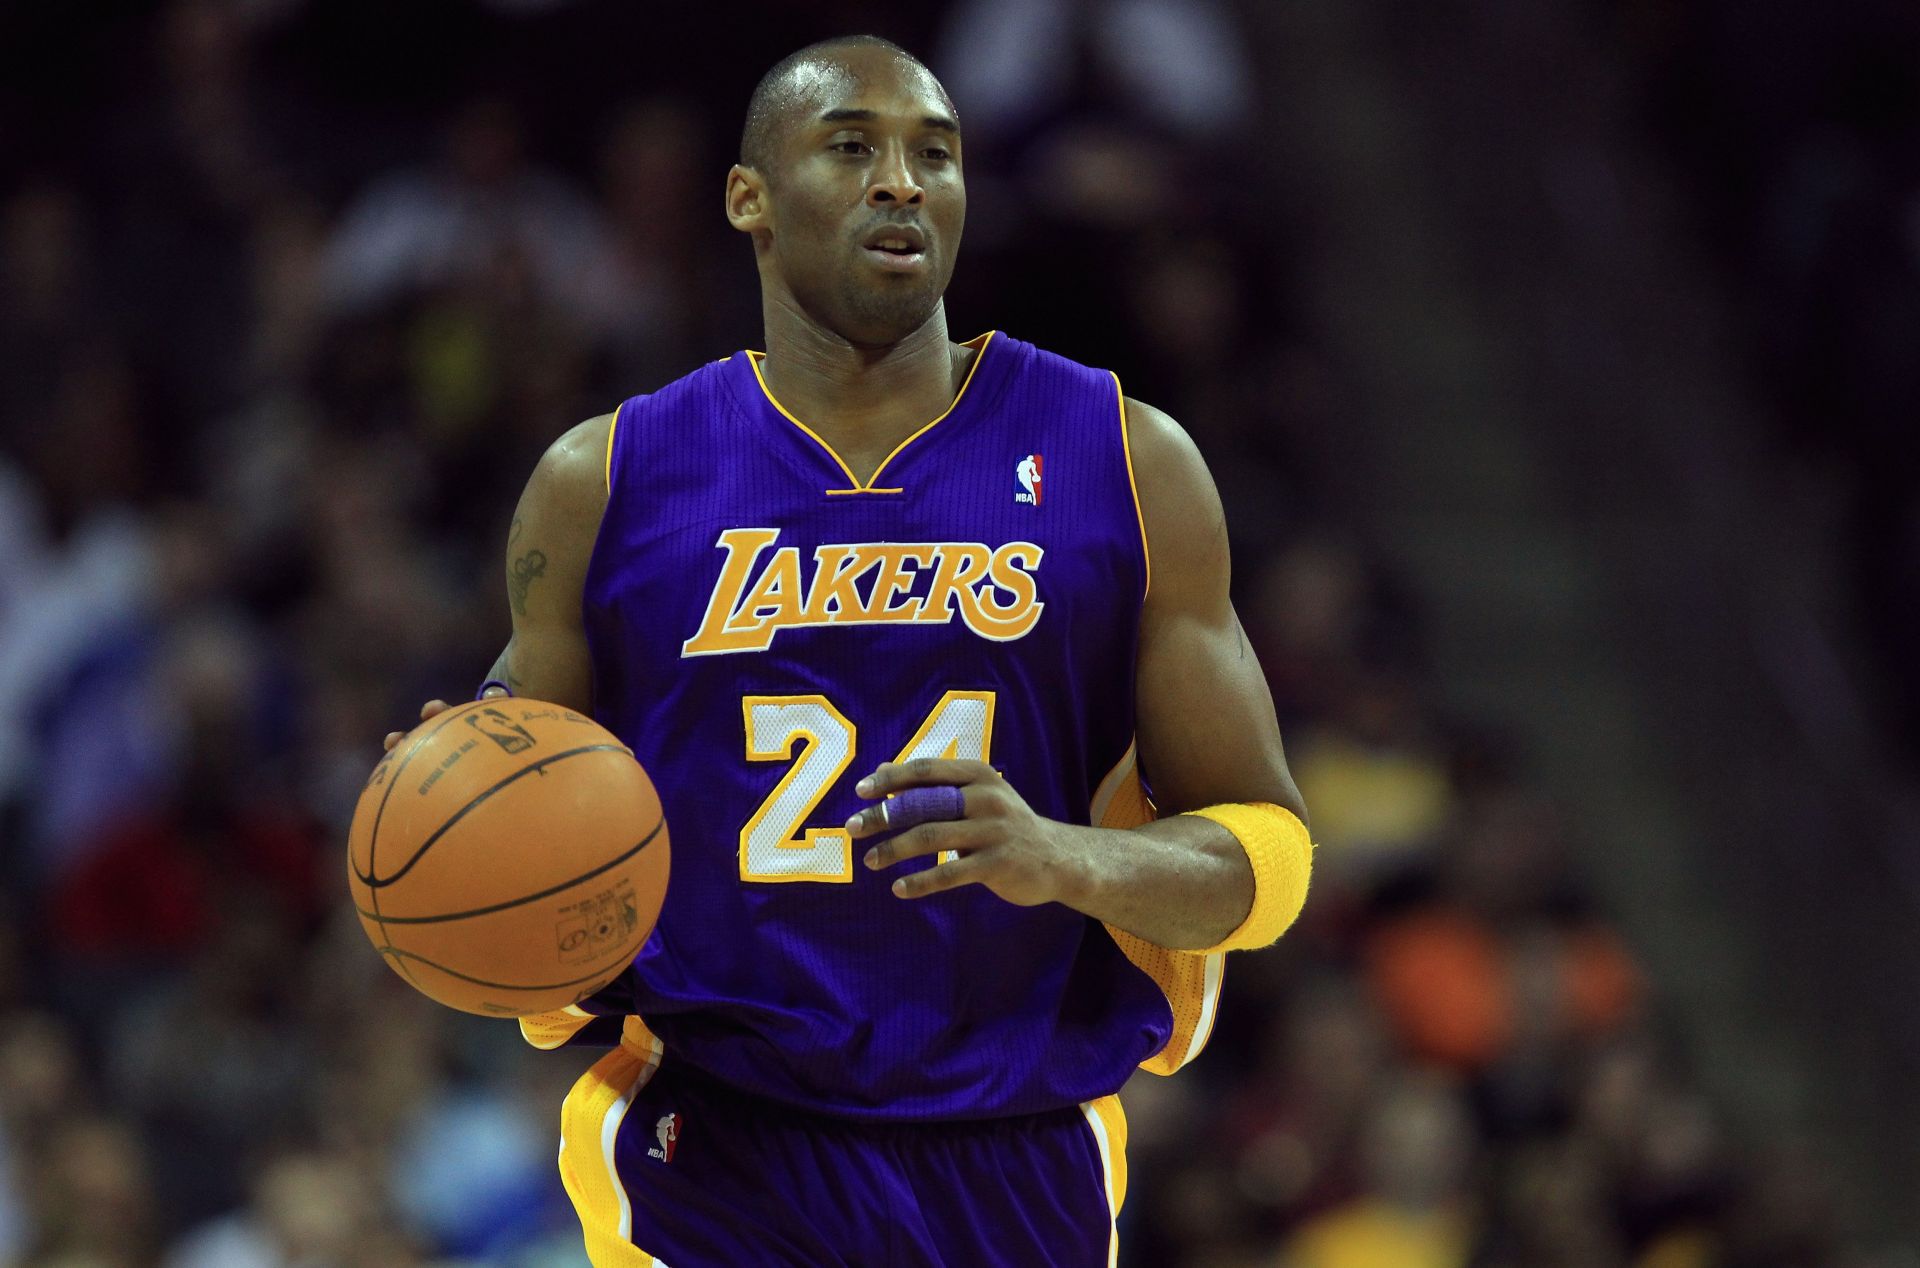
(1225, 877)
(549, 666)
(1183, 882)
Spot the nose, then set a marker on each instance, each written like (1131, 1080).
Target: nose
(893, 182)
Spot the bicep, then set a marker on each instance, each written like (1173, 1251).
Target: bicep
(1207, 731)
(549, 546)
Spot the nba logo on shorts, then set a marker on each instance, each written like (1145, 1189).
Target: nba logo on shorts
(1028, 473)
(667, 1132)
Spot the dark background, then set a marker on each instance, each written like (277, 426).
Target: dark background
(1559, 364)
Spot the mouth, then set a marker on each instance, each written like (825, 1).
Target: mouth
(900, 248)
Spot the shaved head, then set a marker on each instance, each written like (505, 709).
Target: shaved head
(850, 185)
(797, 79)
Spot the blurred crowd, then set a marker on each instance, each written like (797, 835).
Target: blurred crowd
(1798, 130)
(291, 298)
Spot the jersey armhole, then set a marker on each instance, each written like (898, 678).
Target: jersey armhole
(1133, 484)
(613, 429)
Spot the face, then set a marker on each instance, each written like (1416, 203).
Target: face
(859, 218)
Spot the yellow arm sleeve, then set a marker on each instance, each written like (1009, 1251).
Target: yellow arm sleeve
(1281, 852)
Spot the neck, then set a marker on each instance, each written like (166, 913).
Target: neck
(860, 399)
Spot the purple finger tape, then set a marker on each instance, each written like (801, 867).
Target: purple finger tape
(916, 806)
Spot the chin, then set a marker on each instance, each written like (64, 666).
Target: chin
(877, 318)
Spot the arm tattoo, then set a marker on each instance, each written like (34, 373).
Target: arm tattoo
(520, 575)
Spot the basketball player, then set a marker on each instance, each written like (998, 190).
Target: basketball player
(866, 580)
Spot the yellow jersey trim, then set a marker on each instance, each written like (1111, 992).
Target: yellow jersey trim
(547, 1031)
(845, 492)
(1190, 980)
(1126, 447)
(979, 342)
(612, 427)
(980, 355)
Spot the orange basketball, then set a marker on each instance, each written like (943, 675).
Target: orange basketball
(508, 857)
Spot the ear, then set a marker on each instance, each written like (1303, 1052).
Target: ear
(748, 208)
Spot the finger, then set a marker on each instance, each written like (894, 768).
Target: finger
(495, 692)
(431, 707)
(968, 869)
(891, 777)
(912, 807)
(393, 738)
(930, 838)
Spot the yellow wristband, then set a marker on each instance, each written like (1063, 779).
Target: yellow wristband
(1281, 852)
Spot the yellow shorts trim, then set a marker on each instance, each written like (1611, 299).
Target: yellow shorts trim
(1108, 1122)
(590, 1121)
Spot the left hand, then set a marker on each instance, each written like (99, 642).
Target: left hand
(1002, 843)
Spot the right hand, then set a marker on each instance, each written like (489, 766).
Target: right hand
(432, 708)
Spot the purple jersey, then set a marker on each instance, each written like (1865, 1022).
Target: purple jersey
(765, 629)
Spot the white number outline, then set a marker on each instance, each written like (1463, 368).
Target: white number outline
(954, 748)
(825, 842)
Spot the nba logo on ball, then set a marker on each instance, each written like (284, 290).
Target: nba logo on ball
(500, 728)
(667, 1132)
(1027, 472)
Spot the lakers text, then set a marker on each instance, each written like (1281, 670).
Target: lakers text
(993, 589)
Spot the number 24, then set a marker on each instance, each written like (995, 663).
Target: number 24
(773, 844)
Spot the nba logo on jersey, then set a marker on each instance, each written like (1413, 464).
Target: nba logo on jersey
(1028, 473)
(667, 1132)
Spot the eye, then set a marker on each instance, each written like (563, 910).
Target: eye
(936, 153)
(850, 147)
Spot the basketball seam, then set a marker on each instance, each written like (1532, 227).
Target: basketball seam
(508, 986)
(376, 883)
(373, 837)
(530, 898)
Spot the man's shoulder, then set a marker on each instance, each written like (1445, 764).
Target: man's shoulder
(698, 387)
(1043, 366)
(1037, 357)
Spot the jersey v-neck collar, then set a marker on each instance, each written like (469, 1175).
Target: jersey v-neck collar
(751, 387)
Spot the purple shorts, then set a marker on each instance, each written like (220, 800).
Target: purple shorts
(668, 1168)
